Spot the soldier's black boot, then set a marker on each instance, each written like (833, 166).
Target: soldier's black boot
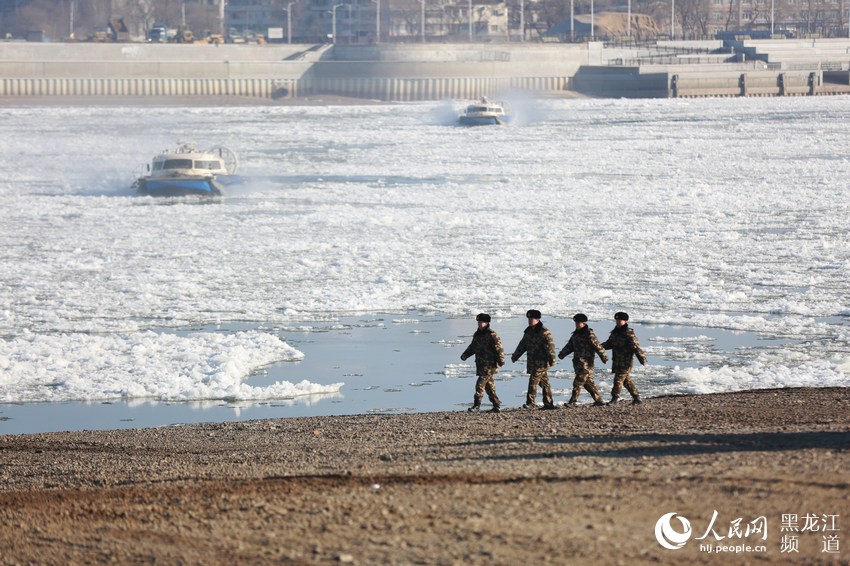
(636, 401)
(495, 409)
(474, 409)
(614, 400)
(572, 401)
(598, 402)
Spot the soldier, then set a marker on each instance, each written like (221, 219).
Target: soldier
(489, 357)
(624, 346)
(584, 346)
(539, 346)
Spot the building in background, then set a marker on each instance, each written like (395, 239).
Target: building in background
(369, 21)
(364, 21)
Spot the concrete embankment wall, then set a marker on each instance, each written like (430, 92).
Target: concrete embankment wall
(681, 81)
(149, 69)
(757, 68)
(409, 72)
(386, 73)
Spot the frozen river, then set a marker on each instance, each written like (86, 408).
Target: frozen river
(344, 276)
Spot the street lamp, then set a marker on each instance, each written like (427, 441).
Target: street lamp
(591, 20)
(672, 19)
(572, 20)
(333, 21)
(521, 20)
(469, 14)
(289, 21)
(629, 25)
(771, 18)
(350, 33)
(221, 16)
(422, 21)
(377, 20)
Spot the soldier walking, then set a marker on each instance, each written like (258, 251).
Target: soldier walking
(584, 346)
(624, 347)
(489, 357)
(539, 347)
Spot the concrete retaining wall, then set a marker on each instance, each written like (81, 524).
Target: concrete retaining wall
(619, 82)
(403, 73)
(386, 89)
(153, 69)
(411, 89)
(696, 81)
(389, 72)
(82, 52)
(106, 87)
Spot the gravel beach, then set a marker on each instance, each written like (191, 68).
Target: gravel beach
(585, 485)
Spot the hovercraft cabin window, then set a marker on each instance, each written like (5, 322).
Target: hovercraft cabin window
(178, 164)
(211, 165)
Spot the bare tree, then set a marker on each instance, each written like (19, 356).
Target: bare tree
(547, 13)
(42, 15)
(693, 17)
(407, 17)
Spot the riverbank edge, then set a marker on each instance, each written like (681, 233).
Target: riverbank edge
(582, 485)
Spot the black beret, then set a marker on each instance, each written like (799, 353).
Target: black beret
(483, 317)
(621, 316)
(580, 317)
(533, 313)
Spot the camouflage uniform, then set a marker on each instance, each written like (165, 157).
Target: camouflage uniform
(539, 346)
(584, 346)
(489, 356)
(624, 346)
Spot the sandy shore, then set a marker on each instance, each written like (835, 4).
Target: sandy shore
(572, 486)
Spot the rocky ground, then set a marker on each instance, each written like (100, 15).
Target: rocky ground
(572, 486)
